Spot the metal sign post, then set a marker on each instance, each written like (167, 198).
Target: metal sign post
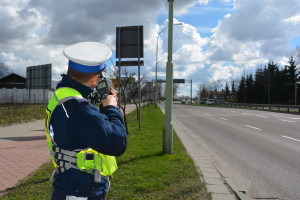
(130, 45)
(139, 77)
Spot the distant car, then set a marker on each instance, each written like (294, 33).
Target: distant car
(202, 102)
(210, 102)
(183, 101)
(221, 102)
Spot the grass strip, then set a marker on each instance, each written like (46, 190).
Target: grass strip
(144, 171)
(21, 114)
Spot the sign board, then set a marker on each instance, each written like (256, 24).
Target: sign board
(129, 42)
(130, 63)
(39, 77)
(178, 80)
(174, 81)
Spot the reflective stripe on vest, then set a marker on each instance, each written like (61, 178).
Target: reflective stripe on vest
(88, 159)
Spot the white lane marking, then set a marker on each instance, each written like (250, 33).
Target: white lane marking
(244, 113)
(223, 118)
(224, 110)
(262, 116)
(253, 127)
(206, 113)
(284, 120)
(290, 138)
(233, 111)
(295, 118)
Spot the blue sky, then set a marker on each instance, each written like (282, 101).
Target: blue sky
(35, 32)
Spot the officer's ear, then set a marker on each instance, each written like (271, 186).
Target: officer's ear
(94, 81)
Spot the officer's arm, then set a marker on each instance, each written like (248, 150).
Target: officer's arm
(104, 132)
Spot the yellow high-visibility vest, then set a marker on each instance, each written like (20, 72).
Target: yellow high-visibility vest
(87, 160)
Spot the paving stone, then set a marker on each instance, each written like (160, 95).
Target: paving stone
(223, 197)
(213, 181)
(217, 189)
(211, 175)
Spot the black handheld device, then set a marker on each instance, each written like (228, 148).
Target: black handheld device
(103, 87)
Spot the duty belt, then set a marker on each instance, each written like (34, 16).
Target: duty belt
(67, 159)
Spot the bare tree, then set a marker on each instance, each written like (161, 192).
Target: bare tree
(203, 91)
(218, 84)
(3, 69)
(114, 72)
(128, 86)
(132, 87)
(175, 89)
(160, 90)
(297, 56)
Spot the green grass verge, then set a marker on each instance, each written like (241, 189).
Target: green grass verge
(144, 172)
(21, 114)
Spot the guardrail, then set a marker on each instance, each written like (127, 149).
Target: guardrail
(287, 108)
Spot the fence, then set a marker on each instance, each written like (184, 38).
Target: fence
(277, 107)
(24, 96)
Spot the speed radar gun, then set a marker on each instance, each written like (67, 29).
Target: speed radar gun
(103, 87)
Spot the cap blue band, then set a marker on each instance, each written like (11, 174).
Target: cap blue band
(86, 68)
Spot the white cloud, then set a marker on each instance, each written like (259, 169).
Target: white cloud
(181, 7)
(31, 30)
(293, 19)
(255, 32)
(35, 32)
(221, 72)
(188, 52)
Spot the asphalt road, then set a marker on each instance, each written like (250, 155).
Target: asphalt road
(259, 150)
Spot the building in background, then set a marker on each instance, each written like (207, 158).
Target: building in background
(13, 91)
(13, 81)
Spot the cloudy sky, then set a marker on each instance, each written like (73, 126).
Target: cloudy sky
(35, 32)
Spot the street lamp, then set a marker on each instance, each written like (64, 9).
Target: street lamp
(244, 78)
(155, 93)
(168, 126)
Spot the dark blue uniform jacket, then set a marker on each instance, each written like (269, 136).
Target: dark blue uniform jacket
(79, 125)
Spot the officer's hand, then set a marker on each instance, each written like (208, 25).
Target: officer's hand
(113, 92)
(110, 100)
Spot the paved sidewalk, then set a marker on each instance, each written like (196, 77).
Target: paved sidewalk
(23, 150)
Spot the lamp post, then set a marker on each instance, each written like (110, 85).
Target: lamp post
(244, 78)
(168, 127)
(155, 93)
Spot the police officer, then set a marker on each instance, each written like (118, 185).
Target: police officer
(83, 141)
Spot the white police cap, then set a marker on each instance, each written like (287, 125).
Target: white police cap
(87, 57)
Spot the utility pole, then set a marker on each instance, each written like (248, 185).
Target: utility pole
(155, 95)
(191, 91)
(168, 126)
(269, 88)
(296, 90)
